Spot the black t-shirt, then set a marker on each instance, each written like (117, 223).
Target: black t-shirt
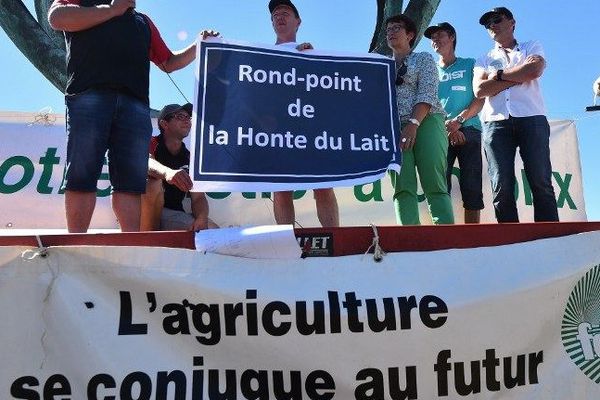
(113, 54)
(173, 196)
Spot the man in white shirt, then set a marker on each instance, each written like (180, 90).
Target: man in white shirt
(507, 77)
(286, 22)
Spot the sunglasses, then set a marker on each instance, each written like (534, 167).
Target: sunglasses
(400, 74)
(394, 28)
(179, 117)
(493, 20)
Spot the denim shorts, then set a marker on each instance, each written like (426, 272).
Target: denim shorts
(104, 121)
(470, 164)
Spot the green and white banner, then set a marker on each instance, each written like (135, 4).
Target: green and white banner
(509, 322)
(34, 149)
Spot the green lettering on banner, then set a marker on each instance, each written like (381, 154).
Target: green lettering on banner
(298, 194)
(106, 191)
(526, 189)
(28, 169)
(104, 176)
(362, 193)
(564, 195)
(60, 188)
(48, 161)
(100, 192)
(456, 172)
(252, 195)
(218, 195)
(375, 193)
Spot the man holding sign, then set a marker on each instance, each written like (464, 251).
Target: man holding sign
(268, 119)
(109, 49)
(286, 21)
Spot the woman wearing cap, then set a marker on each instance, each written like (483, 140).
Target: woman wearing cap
(423, 140)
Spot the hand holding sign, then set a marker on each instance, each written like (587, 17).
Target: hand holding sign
(304, 46)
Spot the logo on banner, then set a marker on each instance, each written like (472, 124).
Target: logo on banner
(580, 330)
(316, 245)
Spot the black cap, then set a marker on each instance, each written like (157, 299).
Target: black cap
(273, 4)
(495, 11)
(173, 108)
(442, 26)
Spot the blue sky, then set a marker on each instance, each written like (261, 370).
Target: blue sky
(568, 31)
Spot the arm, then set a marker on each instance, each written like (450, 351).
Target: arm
(65, 15)
(409, 131)
(533, 68)
(183, 58)
(472, 110)
(420, 111)
(178, 178)
(179, 59)
(305, 46)
(200, 211)
(427, 94)
(485, 86)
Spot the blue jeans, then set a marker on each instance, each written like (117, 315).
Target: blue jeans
(470, 163)
(101, 120)
(500, 141)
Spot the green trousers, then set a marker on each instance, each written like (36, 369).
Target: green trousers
(428, 157)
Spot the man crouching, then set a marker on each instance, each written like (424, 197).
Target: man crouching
(168, 177)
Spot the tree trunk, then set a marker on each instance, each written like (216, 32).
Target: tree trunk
(421, 11)
(40, 48)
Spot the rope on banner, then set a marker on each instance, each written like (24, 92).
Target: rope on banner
(41, 251)
(378, 252)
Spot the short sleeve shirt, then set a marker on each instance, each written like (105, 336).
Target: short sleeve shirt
(158, 52)
(523, 100)
(173, 196)
(456, 89)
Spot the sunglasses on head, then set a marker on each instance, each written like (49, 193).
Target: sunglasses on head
(400, 74)
(496, 19)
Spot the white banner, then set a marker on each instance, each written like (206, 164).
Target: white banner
(510, 322)
(34, 148)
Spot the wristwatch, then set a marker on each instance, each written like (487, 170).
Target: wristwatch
(499, 74)
(414, 121)
(460, 119)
